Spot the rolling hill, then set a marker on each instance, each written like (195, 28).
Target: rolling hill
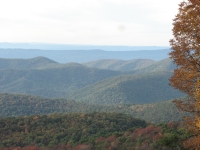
(51, 130)
(32, 63)
(129, 89)
(120, 65)
(43, 77)
(162, 65)
(133, 66)
(52, 81)
(28, 105)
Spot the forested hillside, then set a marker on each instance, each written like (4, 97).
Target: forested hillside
(91, 131)
(134, 66)
(51, 82)
(72, 128)
(43, 77)
(33, 63)
(85, 107)
(129, 89)
(120, 65)
(162, 65)
(26, 105)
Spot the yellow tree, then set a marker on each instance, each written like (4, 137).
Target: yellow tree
(186, 54)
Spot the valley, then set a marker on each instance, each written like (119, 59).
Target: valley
(39, 89)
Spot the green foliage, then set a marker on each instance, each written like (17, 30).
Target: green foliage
(43, 77)
(33, 63)
(120, 65)
(129, 89)
(162, 65)
(152, 137)
(74, 128)
(52, 81)
(26, 105)
(95, 91)
(166, 136)
(135, 65)
(157, 112)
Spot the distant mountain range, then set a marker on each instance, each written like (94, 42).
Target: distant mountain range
(46, 46)
(43, 77)
(81, 56)
(89, 97)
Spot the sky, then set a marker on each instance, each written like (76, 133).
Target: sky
(90, 22)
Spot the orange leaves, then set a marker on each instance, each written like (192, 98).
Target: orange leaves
(186, 54)
(35, 117)
(198, 122)
(197, 92)
(192, 143)
(194, 2)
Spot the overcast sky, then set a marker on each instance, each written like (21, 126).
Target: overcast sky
(94, 22)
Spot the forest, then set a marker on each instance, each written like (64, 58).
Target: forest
(13, 105)
(102, 104)
(94, 105)
(103, 97)
(88, 130)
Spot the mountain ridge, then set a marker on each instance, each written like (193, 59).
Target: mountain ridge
(128, 89)
(28, 105)
(81, 56)
(120, 65)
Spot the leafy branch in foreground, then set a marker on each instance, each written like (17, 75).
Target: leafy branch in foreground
(186, 54)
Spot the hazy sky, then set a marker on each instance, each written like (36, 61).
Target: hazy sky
(95, 22)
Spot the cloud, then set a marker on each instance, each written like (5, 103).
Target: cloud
(124, 22)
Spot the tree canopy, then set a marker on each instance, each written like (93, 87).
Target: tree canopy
(186, 54)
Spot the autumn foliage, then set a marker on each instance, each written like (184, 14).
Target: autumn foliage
(186, 54)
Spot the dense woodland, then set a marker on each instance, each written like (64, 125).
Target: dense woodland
(26, 105)
(90, 131)
(90, 106)
(106, 100)
(43, 77)
(128, 89)
(54, 129)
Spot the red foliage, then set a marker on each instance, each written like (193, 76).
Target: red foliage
(148, 130)
(17, 148)
(171, 124)
(133, 137)
(62, 147)
(101, 139)
(151, 132)
(31, 148)
(156, 137)
(68, 146)
(111, 138)
(81, 147)
(127, 133)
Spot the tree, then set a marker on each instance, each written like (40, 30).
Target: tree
(186, 54)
